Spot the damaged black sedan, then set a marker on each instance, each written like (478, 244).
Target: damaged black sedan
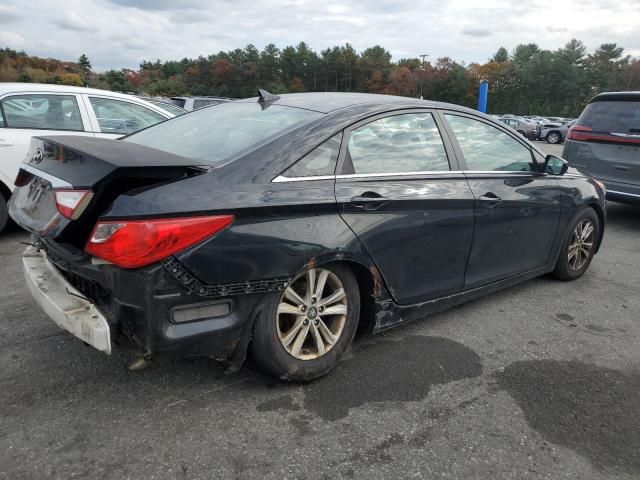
(282, 225)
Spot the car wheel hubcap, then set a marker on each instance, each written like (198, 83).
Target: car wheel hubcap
(311, 314)
(553, 138)
(580, 245)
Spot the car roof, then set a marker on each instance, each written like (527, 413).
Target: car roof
(616, 96)
(326, 102)
(9, 87)
(17, 87)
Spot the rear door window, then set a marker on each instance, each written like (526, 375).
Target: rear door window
(612, 116)
(42, 112)
(120, 117)
(403, 143)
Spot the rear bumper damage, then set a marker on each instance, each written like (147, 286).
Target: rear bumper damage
(65, 305)
(146, 311)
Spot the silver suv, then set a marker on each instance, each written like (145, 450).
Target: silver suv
(605, 144)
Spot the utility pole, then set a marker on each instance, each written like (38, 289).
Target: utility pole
(423, 56)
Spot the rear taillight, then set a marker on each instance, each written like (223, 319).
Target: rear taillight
(71, 203)
(579, 132)
(136, 243)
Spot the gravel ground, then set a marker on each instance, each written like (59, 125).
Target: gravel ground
(541, 380)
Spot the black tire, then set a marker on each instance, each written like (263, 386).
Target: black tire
(269, 352)
(554, 138)
(564, 270)
(521, 132)
(4, 213)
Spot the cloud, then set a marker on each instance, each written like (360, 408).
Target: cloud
(72, 21)
(8, 14)
(159, 5)
(12, 40)
(476, 32)
(134, 30)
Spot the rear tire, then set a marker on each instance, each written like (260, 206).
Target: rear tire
(521, 132)
(294, 338)
(579, 246)
(4, 213)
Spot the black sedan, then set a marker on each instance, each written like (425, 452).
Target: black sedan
(282, 225)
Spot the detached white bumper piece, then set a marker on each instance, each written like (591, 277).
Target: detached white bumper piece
(65, 305)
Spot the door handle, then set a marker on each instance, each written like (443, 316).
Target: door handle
(490, 199)
(369, 201)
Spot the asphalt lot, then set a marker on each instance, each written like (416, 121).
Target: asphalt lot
(538, 381)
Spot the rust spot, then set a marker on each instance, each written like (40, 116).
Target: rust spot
(312, 263)
(377, 281)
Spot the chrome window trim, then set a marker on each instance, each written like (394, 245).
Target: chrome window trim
(282, 178)
(497, 172)
(399, 174)
(54, 181)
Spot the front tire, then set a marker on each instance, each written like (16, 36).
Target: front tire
(301, 334)
(4, 213)
(579, 247)
(554, 138)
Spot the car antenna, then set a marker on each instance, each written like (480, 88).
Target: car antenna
(266, 97)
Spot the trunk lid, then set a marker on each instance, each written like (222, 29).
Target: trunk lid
(108, 168)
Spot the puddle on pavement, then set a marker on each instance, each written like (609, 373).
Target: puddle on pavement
(592, 410)
(402, 370)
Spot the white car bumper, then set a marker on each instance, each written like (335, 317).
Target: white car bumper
(65, 305)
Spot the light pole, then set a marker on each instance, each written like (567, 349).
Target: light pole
(423, 56)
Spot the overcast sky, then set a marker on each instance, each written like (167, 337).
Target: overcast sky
(121, 33)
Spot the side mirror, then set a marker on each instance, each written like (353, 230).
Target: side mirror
(555, 165)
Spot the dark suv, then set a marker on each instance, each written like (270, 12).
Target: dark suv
(605, 144)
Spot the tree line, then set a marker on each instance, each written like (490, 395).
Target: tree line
(527, 80)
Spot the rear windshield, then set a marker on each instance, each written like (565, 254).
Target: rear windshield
(221, 133)
(612, 116)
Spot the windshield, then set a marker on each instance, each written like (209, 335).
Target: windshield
(218, 134)
(612, 116)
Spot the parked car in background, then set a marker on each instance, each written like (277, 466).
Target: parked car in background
(194, 103)
(165, 105)
(284, 224)
(554, 132)
(524, 127)
(605, 144)
(29, 109)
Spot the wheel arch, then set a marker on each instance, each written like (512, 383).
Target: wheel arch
(371, 287)
(601, 218)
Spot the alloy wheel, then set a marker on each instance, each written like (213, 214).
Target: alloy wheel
(312, 313)
(580, 245)
(553, 138)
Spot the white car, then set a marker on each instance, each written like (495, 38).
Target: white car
(32, 109)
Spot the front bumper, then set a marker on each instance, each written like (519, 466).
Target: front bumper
(65, 305)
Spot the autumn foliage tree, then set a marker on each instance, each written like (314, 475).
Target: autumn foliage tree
(525, 80)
